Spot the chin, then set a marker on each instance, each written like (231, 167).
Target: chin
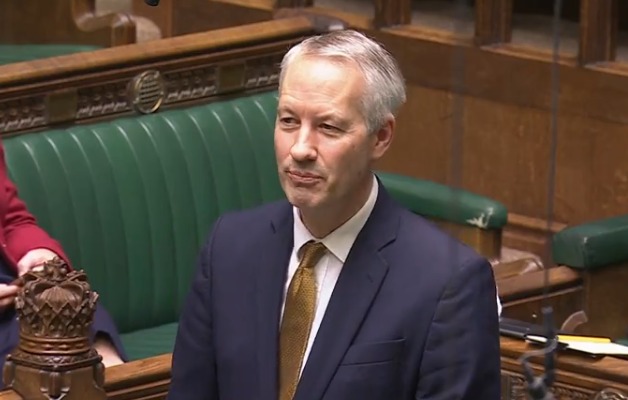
(302, 200)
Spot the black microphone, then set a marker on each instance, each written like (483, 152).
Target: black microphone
(152, 2)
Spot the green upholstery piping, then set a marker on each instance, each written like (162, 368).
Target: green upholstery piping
(11, 53)
(592, 245)
(434, 200)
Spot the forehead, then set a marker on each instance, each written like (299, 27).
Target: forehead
(316, 80)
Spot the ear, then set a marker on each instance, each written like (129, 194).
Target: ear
(382, 139)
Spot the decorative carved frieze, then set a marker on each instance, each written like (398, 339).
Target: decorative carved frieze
(22, 113)
(102, 99)
(191, 84)
(135, 92)
(262, 71)
(514, 388)
(611, 394)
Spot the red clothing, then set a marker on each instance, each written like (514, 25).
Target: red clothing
(19, 232)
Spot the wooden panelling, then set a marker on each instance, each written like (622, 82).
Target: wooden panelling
(176, 18)
(63, 21)
(480, 116)
(506, 127)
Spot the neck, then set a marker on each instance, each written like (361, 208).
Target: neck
(323, 221)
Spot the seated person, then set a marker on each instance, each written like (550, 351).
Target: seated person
(24, 246)
(338, 292)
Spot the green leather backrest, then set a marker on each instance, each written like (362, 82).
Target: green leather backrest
(11, 53)
(131, 200)
(442, 202)
(592, 245)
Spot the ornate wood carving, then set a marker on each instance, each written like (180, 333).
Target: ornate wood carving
(22, 113)
(263, 71)
(54, 358)
(117, 97)
(577, 377)
(102, 100)
(514, 388)
(186, 85)
(611, 394)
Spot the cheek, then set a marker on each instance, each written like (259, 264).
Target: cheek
(281, 146)
(346, 163)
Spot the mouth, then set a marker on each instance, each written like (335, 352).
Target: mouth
(303, 178)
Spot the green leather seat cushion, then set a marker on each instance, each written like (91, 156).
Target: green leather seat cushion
(11, 53)
(150, 342)
(592, 245)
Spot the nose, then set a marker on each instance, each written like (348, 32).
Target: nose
(304, 146)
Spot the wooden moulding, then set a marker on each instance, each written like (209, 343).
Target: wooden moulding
(142, 379)
(524, 296)
(108, 83)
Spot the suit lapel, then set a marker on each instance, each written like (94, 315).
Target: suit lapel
(272, 264)
(356, 288)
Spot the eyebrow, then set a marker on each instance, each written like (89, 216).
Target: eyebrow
(286, 109)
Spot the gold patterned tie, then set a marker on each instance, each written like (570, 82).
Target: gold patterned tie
(297, 319)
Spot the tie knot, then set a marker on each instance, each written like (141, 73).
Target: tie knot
(312, 253)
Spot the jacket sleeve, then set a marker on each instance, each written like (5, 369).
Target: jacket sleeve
(21, 232)
(461, 359)
(194, 358)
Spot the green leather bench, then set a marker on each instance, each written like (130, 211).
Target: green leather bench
(10, 53)
(592, 245)
(599, 250)
(132, 200)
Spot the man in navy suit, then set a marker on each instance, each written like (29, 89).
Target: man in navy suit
(337, 293)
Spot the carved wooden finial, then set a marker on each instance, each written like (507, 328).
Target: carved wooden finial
(54, 358)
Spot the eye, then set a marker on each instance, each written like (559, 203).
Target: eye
(288, 121)
(329, 128)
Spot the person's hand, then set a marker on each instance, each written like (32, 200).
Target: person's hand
(7, 295)
(107, 351)
(34, 258)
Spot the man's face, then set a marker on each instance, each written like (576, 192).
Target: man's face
(324, 152)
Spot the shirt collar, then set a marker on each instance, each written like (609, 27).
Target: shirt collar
(340, 241)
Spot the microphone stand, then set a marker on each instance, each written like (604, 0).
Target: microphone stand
(538, 387)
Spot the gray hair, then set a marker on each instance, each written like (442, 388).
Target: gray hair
(385, 90)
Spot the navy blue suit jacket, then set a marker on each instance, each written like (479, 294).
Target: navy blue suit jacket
(413, 315)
